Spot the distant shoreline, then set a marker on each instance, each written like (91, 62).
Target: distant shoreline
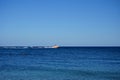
(60, 46)
(40, 47)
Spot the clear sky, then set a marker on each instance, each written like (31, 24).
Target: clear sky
(62, 22)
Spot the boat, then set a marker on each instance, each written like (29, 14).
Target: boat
(55, 46)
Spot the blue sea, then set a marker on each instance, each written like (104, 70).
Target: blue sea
(64, 63)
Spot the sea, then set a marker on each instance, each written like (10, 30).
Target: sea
(64, 63)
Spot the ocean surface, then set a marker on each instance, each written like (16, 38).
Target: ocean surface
(65, 63)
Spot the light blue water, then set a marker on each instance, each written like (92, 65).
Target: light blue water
(73, 63)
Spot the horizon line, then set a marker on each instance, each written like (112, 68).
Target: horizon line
(58, 45)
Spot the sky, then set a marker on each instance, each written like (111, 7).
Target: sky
(61, 22)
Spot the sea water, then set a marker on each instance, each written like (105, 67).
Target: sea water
(65, 63)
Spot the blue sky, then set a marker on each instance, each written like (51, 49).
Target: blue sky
(62, 22)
